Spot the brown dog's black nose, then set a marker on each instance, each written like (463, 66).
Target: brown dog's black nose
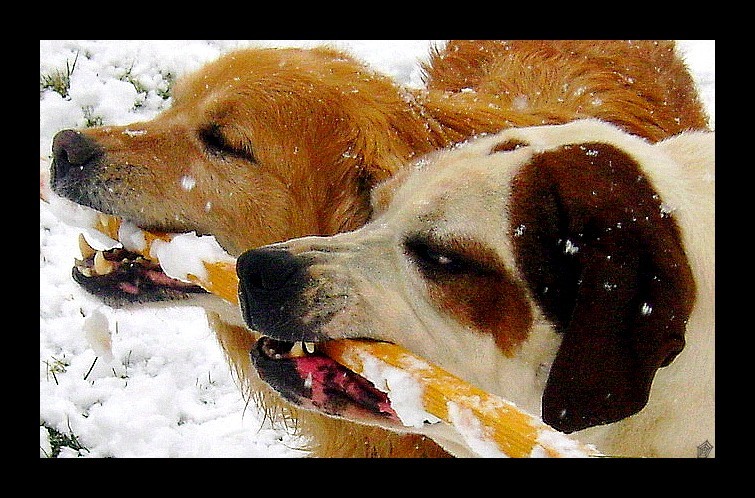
(72, 152)
(271, 282)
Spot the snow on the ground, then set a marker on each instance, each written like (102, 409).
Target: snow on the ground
(153, 382)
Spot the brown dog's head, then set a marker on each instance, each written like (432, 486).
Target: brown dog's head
(541, 264)
(259, 146)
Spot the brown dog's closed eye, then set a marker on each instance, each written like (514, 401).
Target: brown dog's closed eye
(606, 264)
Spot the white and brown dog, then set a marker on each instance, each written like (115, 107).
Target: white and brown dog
(568, 268)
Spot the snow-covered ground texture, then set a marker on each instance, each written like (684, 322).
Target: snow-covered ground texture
(154, 383)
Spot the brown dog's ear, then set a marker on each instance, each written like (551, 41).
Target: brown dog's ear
(605, 262)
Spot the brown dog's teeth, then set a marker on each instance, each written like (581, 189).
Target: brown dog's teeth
(309, 347)
(86, 250)
(82, 267)
(108, 225)
(101, 265)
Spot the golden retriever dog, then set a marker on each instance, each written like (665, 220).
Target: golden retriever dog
(568, 268)
(265, 145)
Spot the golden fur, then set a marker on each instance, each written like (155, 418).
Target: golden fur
(286, 143)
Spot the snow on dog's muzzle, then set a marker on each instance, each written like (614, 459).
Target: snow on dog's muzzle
(122, 264)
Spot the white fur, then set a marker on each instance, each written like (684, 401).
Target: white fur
(465, 191)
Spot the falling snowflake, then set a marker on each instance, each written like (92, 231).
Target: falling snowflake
(134, 133)
(570, 248)
(188, 182)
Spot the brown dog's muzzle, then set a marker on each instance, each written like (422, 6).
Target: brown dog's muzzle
(75, 156)
(76, 174)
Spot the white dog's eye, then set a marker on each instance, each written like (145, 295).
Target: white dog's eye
(442, 259)
(434, 260)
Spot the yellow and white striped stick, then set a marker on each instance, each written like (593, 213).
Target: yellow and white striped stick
(512, 431)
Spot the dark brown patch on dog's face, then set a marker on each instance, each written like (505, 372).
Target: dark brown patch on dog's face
(468, 281)
(604, 259)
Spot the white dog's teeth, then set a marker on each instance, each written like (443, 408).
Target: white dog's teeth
(296, 351)
(86, 250)
(101, 265)
(301, 349)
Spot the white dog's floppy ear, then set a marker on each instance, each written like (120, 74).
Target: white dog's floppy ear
(606, 264)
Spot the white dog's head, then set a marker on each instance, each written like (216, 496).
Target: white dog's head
(541, 264)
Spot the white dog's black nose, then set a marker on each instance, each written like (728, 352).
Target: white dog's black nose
(271, 282)
(266, 270)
